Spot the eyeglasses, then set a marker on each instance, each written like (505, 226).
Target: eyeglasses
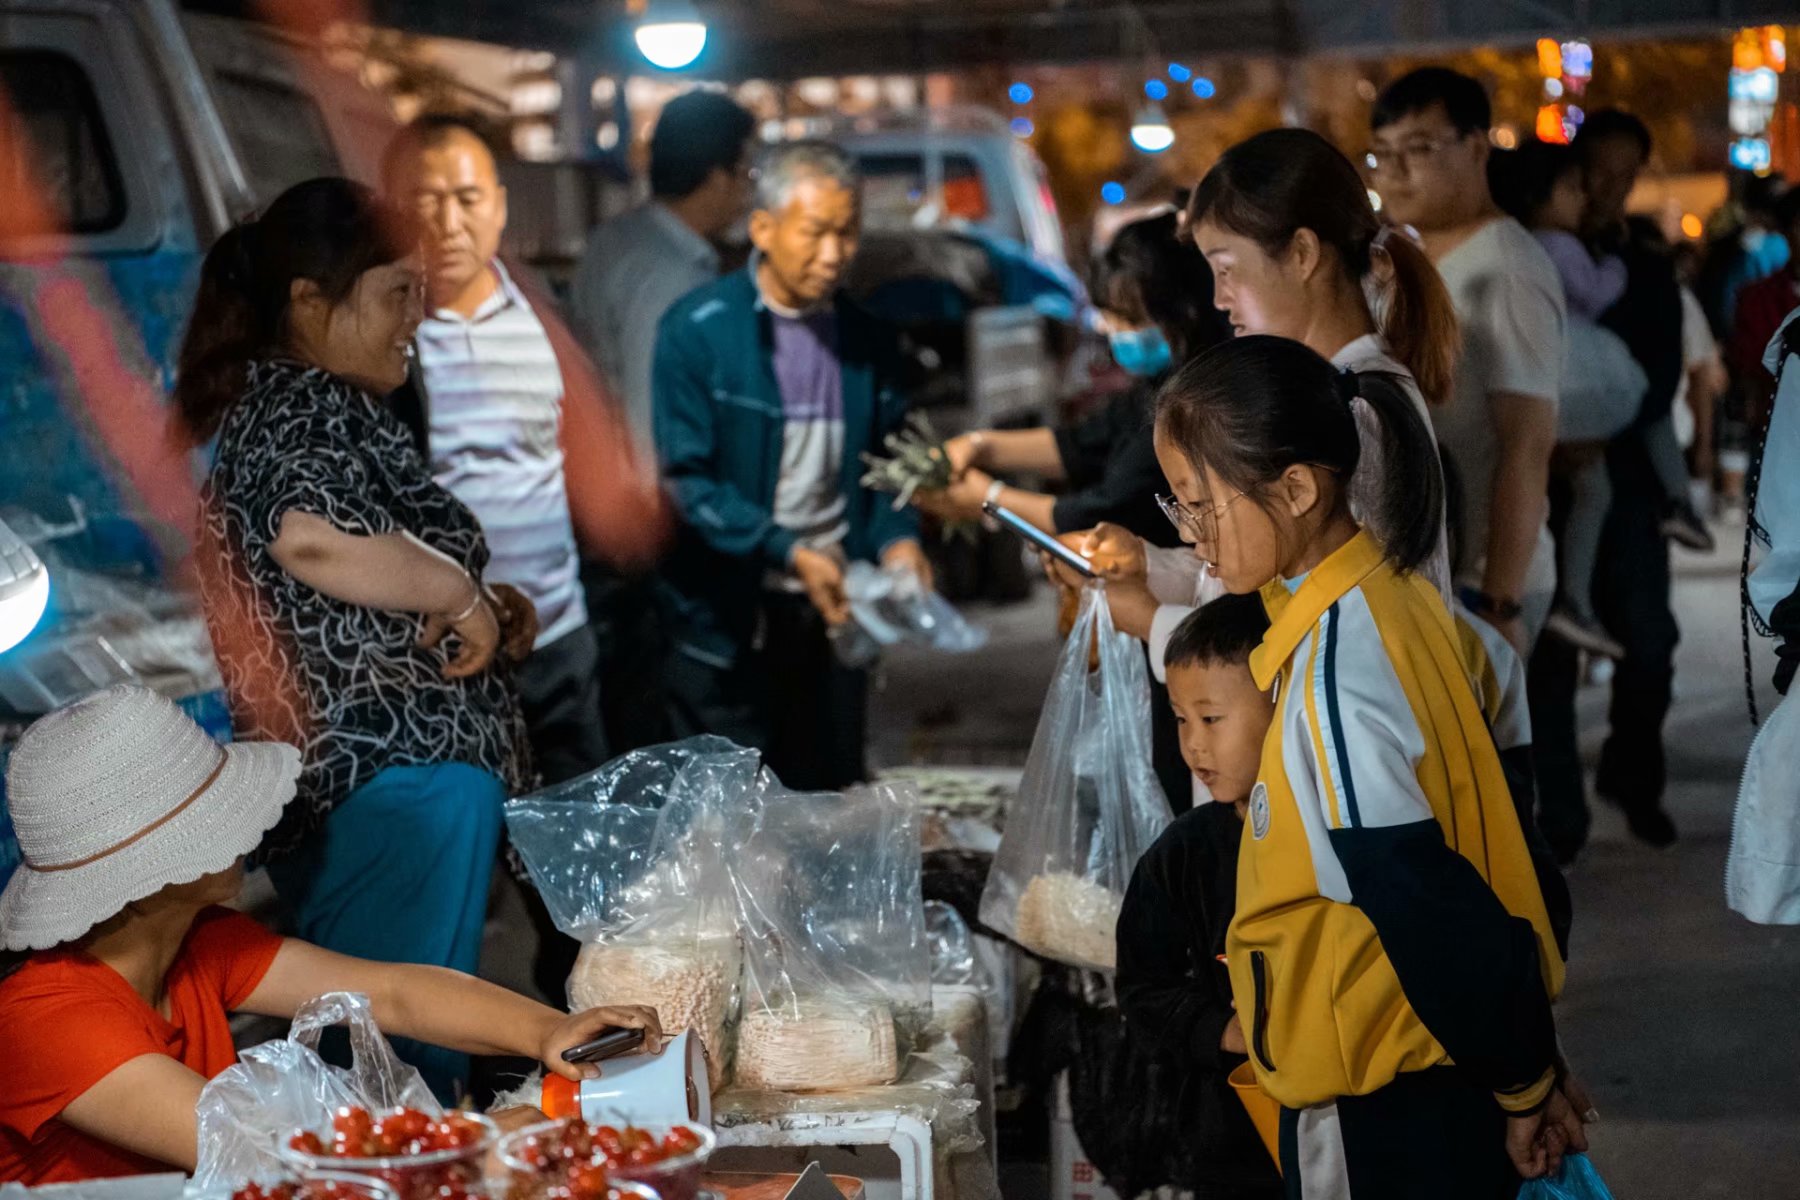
(1404, 158)
(1195, 525)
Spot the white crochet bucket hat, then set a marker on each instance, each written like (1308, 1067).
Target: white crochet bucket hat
(121, 795)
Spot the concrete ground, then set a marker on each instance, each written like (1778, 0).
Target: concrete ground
(1684, 1018)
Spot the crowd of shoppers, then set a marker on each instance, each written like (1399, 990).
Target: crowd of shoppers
(1378, 478)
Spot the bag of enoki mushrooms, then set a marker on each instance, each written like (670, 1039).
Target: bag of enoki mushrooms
(1089, 803)
(630, 861)
(837, 973)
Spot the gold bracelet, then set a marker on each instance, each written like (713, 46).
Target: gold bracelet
(474, 604)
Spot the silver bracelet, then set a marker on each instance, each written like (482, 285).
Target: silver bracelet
(993, 492)
(475, 603)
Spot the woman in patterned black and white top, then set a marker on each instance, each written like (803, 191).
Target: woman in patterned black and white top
(343, 588)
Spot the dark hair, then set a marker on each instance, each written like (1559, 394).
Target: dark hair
(1275, 184)
(1613, 122)
(428, 132)
(1465, 101)
(1523, 179)
(698, 131)
(1252, 407)
(1221, 633)
(327, 230)
(1147, 273)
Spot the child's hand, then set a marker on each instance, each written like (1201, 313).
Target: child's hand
(1232, 1040)
(1537, 1141)
(1116, 552)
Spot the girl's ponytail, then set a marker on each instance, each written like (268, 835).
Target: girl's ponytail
(1253, 407)
(1409, 514)
(1417, 318)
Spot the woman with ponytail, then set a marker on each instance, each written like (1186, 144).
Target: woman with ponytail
(343, 588)
(1392, 957)
(1297, 251)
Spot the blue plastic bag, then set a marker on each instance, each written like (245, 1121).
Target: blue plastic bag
(1577, 1181)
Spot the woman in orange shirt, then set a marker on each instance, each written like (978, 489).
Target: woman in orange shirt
(118, 968)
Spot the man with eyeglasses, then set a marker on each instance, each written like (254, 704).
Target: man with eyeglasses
(1429, 159)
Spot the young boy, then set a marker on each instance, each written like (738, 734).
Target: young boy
(1172, 983)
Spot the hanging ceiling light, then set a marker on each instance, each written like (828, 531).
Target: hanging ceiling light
(1151, 131)
(670, 34)
(24, 589)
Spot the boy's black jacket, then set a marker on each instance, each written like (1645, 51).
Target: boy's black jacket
(1148, 1091)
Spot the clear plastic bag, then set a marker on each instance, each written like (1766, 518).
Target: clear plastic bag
(249, 1109)
(952, 946)
(1578, 1180)
(890, 606)
(1089, 803)
(836, 967)
(631, 860)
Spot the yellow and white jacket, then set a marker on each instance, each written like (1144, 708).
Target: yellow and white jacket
(1388, 915)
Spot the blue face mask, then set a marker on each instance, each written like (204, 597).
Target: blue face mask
(1141, 352)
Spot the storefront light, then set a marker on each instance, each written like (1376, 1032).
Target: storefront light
(1751, 154)
(1151, 131)
(671, 34)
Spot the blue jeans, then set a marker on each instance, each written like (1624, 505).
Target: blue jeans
(400, 873)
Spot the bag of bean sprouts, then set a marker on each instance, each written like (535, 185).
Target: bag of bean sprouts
(837, 971)
(630, 860)
(1088, 805)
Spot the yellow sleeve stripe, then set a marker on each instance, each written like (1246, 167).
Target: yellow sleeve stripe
(1313, 728)
(1528, 1098)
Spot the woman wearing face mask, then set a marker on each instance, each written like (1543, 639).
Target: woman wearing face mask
(1297, 251)
(343, 588)
(1156, 304)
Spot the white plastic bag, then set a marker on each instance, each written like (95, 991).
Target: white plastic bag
(1762, 870)
(837, 975)
(891, 606)
(249, 1109)
(1089, 803)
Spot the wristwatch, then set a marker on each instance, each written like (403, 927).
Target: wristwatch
(1492, 608)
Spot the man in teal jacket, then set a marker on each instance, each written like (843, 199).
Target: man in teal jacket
(768, 386)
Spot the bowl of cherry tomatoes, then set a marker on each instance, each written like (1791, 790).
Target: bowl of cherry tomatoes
(419, 1156)
(573, 1160)
(315, 1185)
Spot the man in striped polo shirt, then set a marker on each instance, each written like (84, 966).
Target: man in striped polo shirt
(492, 397)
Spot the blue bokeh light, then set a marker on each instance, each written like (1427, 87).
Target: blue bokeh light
(1156, 89)
(1203, 88)
(1022, 127)
(1179, 73)
(1113, 192)
(1020, 93)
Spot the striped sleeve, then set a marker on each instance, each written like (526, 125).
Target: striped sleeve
(1498, 674)
(1468, 967)
(1365, 738)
